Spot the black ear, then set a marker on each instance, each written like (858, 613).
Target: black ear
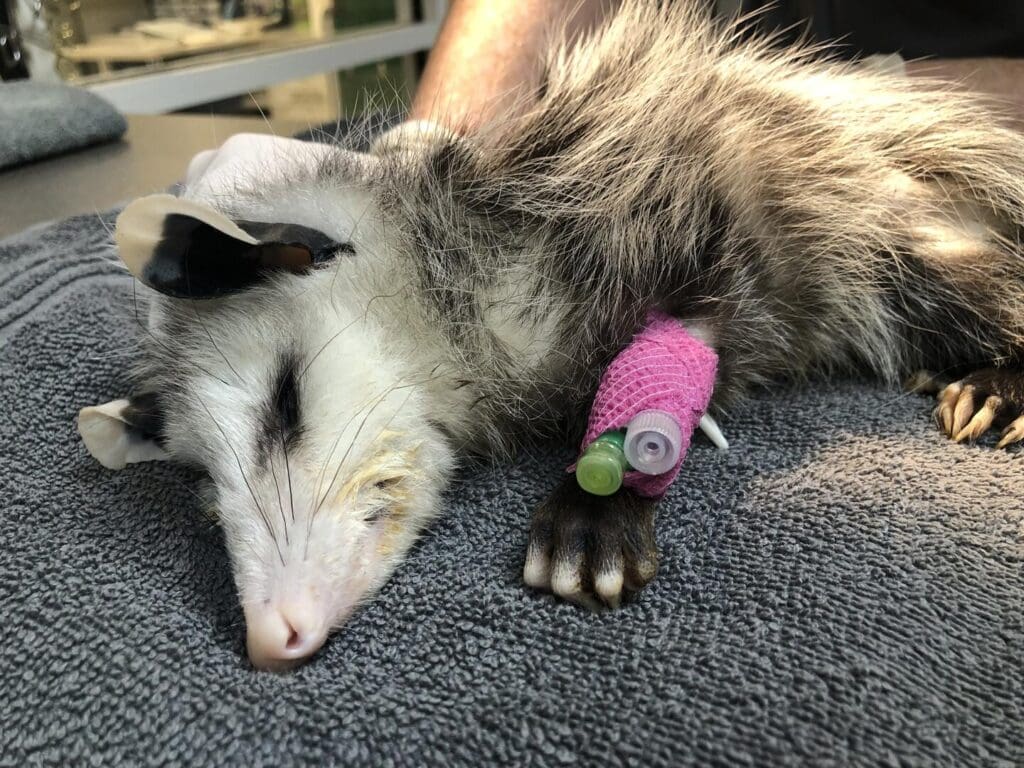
(188, 250)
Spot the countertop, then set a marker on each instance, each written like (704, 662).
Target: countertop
(152, 155)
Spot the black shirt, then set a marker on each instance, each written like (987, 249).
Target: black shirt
(912, 28)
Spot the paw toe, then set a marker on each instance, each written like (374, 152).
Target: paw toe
(962, 411)
(537, 571)
(567, 583)
(608, 586)
(565, 580)
(981, 421)
(947, 403)
(1013, 433)
(643, 572)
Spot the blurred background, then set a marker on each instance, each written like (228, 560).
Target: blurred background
(308, 61)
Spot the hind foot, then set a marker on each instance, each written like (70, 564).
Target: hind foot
(592, 550)
(990, 397)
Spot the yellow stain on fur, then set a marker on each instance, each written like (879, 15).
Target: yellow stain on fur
(386, 465)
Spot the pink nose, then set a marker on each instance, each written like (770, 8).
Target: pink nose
(281, 635)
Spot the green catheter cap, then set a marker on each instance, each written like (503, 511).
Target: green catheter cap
(603, 464)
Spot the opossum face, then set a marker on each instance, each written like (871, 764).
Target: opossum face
(313, 430)
(323, 463)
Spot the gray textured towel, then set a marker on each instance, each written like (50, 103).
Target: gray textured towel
(844, 586)
(41, 119)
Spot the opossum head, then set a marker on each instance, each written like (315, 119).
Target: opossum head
(265, 367)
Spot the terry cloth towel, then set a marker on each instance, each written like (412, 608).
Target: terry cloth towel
(843, 587)
(42, 119)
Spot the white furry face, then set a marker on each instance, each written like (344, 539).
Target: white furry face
(318, 446)
(312, 427)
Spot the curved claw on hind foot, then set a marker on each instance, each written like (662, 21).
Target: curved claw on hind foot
(968, 408)
(1013, 433)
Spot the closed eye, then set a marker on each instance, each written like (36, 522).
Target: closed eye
(286, 405)
(281, 421)
(376, 515)
(384, 485)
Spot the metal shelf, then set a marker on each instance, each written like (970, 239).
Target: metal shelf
(177, 86)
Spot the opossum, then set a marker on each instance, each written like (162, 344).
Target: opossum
(329, 341)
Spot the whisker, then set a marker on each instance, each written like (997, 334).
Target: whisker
(263, 115)
(195, 311)
(245, 479)
(348, 450)
(203, 503)
(330, 455)
(288, 470)
(323, 468)
(280, 504)
(380, 399)
(165, 347)
(323, 347)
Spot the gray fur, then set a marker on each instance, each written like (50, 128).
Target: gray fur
(811, 218)
(780, 199)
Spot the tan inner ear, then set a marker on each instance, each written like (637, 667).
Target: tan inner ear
(105, 433)
(140, 227)
(294, 258)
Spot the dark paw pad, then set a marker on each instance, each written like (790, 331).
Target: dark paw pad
(968, 408)
(592, 550)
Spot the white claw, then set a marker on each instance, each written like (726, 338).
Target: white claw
(710, 428)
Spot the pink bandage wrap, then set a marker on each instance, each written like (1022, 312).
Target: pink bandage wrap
(664, 368)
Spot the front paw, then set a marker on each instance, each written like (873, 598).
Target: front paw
(993, 396)
(592, 550)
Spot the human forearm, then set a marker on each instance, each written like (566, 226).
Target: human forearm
(489, 52)
(1002, 79)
